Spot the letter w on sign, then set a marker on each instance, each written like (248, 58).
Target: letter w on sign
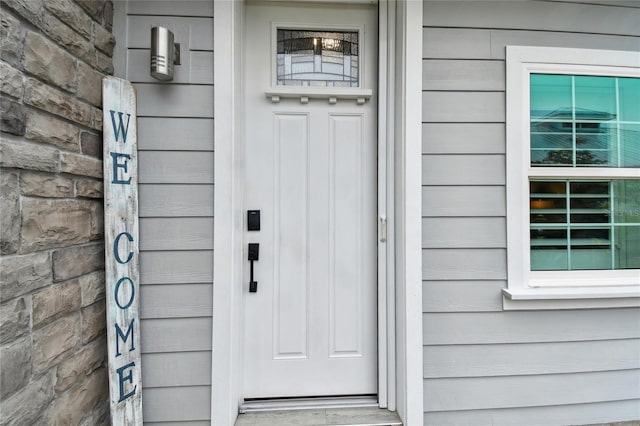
(121, 249)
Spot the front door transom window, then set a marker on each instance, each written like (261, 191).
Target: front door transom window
(317, 58)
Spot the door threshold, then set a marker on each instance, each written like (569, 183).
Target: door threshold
(344, 416)
(289, 404)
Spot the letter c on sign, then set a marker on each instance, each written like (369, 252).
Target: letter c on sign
(131, 297)
(116, 253)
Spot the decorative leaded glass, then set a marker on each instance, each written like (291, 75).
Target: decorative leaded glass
(317, 58)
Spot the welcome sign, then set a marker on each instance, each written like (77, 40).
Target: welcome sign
(120, 161)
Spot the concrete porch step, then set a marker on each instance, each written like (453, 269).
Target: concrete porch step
(363, 416)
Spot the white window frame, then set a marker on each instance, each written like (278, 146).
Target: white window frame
(556, 289)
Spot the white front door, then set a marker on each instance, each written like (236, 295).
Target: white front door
(310, 328)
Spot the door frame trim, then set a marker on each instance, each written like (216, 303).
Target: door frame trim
(399, 259)
(385, 308)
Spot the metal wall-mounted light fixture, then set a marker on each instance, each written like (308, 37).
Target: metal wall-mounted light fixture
(164, 54)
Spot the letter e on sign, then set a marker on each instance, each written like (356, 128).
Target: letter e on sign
(120, 156)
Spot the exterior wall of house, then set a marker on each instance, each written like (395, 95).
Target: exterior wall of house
(52, 305)
(483, 365)
(175, 142)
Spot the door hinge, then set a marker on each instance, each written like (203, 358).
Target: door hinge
(383, 229)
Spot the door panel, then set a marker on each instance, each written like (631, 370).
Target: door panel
(290, 279)
(345, 208)
(310, 329)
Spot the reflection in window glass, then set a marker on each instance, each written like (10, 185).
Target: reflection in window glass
(317, 58)
(580, 225)
(629, 90)
(595, 96)
(584, 121)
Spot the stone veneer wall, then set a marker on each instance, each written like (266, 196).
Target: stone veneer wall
(54, 54)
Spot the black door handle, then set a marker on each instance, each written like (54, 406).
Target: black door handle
(254, 254)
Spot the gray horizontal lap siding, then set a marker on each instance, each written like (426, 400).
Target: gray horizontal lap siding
(483, 366)
(176, 159)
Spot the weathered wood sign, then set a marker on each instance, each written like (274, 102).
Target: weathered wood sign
(121, 249)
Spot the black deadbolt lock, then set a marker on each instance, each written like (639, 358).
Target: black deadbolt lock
(253, 220)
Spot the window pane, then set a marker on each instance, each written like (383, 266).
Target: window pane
(548, 216)
(629, 102)
(630, 144)
(595, 98)
(584, 121)
(626, 206)
(550, 95)
(582, 225)
(317, 58)
(626, 216)
(555, 258)
(591, 257)
(628, 247)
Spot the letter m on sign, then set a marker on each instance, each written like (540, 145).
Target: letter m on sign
(124, 337)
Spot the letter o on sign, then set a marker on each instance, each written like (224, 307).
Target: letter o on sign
(131, 296)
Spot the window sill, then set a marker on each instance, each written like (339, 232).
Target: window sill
(332, 94)
(570, 298)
